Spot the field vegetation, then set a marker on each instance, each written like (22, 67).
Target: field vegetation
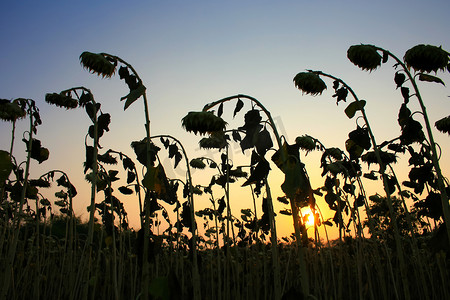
(392, 244)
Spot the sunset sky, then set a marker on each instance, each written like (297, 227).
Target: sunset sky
(189, 53)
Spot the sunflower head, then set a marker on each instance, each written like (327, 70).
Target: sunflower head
(197, 163)
(11, 110)
(203, 122)
(426, 58)
(61, 100)
(309, 83)
(216, 140)
(364, 56)
(98, 63)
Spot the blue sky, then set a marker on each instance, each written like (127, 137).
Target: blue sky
(189, 53)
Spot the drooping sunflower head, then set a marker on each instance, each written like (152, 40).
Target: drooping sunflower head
(426, 58)
(197, 163)
(203, 122)
(61, 100)
(364, 56)
(216, 140)
(98, 64)
(309, 83)
(11, 110)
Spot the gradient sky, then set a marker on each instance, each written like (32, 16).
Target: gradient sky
(190, 53)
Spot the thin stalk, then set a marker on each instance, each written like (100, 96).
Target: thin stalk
(196, 275)
(382, 171)
(277, 278)
(434, 153)
(17, 217)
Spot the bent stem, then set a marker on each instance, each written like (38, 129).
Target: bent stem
(17, 217)
(196, 275)
(434, 155)
(294, 208)
(382, 171)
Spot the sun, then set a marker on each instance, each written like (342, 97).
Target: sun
(308, 217)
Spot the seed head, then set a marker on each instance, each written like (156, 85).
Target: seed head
(97, 63)
(203, 122)
(309, 83)
(426, 58)
(364, 56)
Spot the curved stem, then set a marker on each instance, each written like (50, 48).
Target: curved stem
(385, 183)
(435, 160)
(196, 275)
(294, 208)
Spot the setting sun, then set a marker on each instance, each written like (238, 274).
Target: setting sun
(308, 217)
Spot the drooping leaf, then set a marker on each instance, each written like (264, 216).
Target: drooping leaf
(6, 166)
(140, 149)
(155, 180)
(236, 136)
(38, 152)
(403, 115)
(259, 173)
(103, 121)
(341, 94)
(385, 57)
(263, 142)
(125, 190)
(405, 94)
(130, 177)
(430, 78)
(411, 132)
(283, 200)
(89, 158)
(133, 96)
(128, 164)
(220, 110)
(360, 136)
(443, 125)
(353, 107)
(92, 110)
(239, 106)
(296, 185)
(353, 149)
(399, 79)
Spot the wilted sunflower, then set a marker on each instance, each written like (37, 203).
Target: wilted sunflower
(386, 158)
(97, 63)
(364, 56)
(215, 141)
(203, 122)
(61, 100)
(309, 83)
(306, 143)
(10, 111)
(426, 58)
(197, 163)
(443, 125)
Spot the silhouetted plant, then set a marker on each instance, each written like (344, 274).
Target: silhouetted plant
(423, 59)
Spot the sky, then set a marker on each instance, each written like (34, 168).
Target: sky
(189, 53)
